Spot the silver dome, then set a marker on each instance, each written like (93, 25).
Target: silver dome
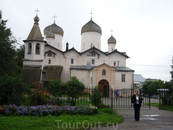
(91, 26)
(111, 40)
(54, 29)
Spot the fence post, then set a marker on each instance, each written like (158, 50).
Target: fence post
(111, 98)
(149, 102)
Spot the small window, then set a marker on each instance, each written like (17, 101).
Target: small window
(123, 78)
(29, 48)
(37, 48)
(72, 61)
(49, 62)
(49, 54)
(114, 63)
(103, 72)
(93, 61)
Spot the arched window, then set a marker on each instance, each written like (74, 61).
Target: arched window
(91, 45)
(37, 48)
(72, 61)
(29, 48)
(49, 62)
(103, 72)
(93, 61)
(114, 63)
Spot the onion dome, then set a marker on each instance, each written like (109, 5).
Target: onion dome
(55, 29)
(111, 40)
(50, 34)
(91, 26)
(36, 19)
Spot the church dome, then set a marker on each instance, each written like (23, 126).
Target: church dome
(112, 40)
(50, 35)
(55, 29)
(36, 19)
(91, 26)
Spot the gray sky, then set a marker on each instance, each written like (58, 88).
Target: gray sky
(143, 28)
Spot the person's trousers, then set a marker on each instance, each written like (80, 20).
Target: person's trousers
(137, 111)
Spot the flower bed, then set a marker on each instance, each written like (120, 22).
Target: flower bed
(44, 110)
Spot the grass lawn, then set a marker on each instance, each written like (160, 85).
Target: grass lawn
(62, 122)
(162, 107)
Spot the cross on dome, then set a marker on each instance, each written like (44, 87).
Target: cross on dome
(37, 11)
(54, 17)
(112, 32)
(91, 14)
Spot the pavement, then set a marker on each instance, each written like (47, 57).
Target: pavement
(150, 119)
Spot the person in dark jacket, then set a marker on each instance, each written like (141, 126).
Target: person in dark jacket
(136, 100)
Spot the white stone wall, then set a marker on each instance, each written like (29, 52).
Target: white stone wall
(83, 76)
(110, 59)
(57, 42)
(111, 47)
(128, 80)
(89, 39)
(33, 55)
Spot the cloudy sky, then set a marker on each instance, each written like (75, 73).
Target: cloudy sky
(143, 28)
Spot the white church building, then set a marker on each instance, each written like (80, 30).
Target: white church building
(45, 60)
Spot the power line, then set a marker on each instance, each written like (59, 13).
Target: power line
(150, 65)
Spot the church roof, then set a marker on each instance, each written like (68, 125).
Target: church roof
(54, 29)
(35, 33)
(91, 26)
(116, 51)
(89, 67)
(123, 68)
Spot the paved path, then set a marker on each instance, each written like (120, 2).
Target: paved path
(150, 119)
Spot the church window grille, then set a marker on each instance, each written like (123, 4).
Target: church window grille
(93, 61)
(93, 54)
(29, 48)
(49, 54)
(103, 72)
(72, 61)
(37, 48)
(49, 62)
(123, 78)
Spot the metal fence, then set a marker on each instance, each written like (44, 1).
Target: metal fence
(108, 98)
(124, 99)
(165, 98)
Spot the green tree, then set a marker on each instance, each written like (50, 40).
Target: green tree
(145, 86)
(152, 88)
(19, 56)
(7, 50)
(11, 90)
(73, 88)
(172, 71)
(96, 97)
(56, 87)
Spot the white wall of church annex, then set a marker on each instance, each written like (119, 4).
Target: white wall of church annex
(128, 84)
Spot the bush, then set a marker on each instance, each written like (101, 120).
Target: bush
(96, 98)
(11, 90)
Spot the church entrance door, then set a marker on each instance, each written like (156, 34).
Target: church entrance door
(103, 87)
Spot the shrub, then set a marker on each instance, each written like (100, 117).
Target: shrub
(96, 98)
